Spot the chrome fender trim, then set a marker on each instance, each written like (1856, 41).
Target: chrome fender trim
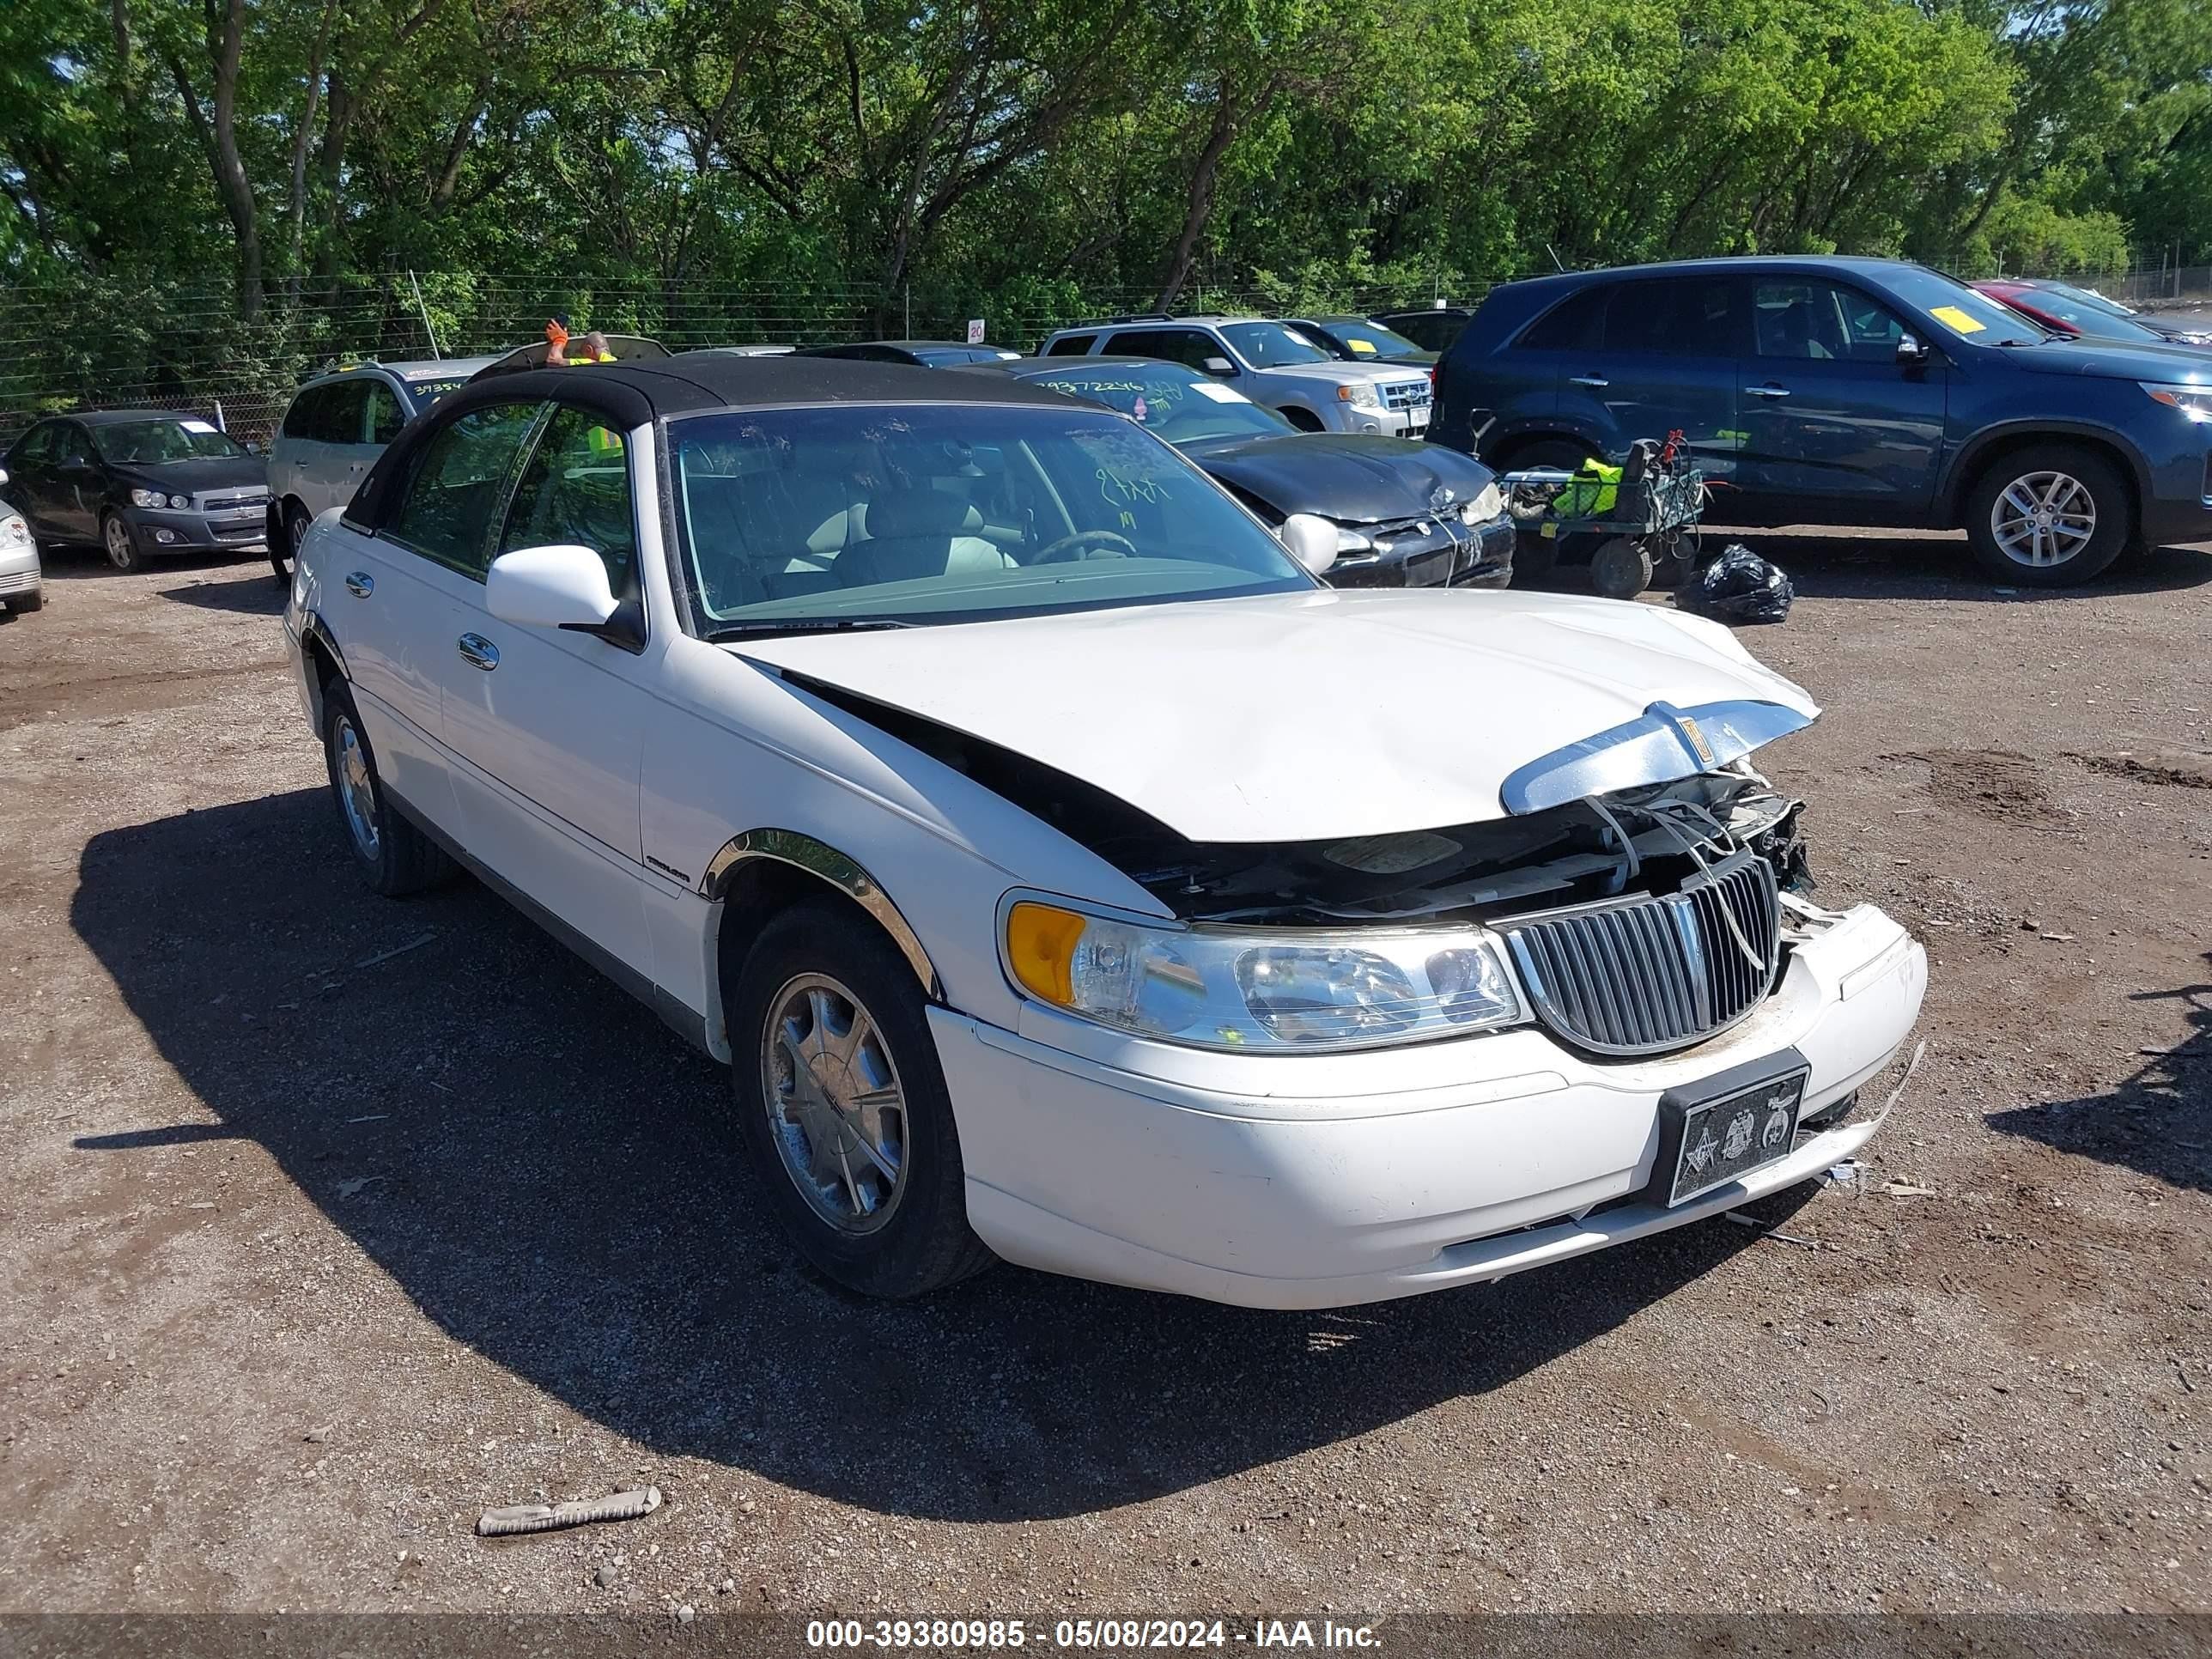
(820, 859)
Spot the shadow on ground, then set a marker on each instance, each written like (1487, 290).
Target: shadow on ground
(2157, 1122)
(255, 594)
(547, 1173)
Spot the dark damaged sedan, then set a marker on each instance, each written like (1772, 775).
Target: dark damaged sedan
(138, 481)
(1406, 514)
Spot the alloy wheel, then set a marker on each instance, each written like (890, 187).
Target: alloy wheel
(836, 1109)
(118, 536)
(356, 788)
(2043, 520)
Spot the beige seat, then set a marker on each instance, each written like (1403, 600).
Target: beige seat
(918, 532)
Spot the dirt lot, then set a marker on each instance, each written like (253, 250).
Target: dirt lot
(331, 1221)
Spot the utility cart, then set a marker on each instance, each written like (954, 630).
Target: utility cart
(1636, 522)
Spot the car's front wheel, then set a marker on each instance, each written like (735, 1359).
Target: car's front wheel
(393, 856)
(115, 537)
(2049, 516)
(842, 1107)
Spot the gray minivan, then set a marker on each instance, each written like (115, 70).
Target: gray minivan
(337, 427)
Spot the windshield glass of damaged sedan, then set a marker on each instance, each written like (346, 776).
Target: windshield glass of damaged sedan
(150, 443)
(833, 516)
(1177, 404)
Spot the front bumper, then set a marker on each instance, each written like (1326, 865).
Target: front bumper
(1325, 1180)
(20, 572)
(170, 530)
(1448, 555)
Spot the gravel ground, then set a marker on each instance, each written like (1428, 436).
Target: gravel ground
(332, 1221)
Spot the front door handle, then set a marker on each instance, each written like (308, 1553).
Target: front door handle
(360, 584)
(479, 651)
(1596, 382)
(1769, 390)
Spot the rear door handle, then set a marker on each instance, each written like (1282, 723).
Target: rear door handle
(360, 584)
(1767, 390)
(478, 652)
(1594, 381)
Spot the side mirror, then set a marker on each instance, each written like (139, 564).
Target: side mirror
(1220, 367)
(559, 586)
(1312, 540)
(1912, 352)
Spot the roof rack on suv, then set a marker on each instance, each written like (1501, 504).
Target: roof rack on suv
(1155, 317)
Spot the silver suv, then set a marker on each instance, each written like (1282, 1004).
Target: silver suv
(337, 427)
(1271, 363)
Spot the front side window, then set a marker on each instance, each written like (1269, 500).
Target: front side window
(1174, 345)
(459, 485)
(1824, 322)
(386, 417)
(575, 491)
(822, 518)
(1272, 345)
(168, 437)
(40, 444)
(1179, 404)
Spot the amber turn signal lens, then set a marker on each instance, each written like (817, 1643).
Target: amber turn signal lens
(1041, 941)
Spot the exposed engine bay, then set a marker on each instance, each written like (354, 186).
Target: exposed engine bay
(1648, 840)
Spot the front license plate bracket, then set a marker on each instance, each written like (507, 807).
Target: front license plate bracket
(1724, 1126)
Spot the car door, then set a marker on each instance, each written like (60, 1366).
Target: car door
(31, 481)
(1654, 355)
(342, 423)
(78, 484)
(395, 605)
(1834, 425)
(546, 725)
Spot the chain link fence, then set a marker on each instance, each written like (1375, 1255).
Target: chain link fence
(110, 342)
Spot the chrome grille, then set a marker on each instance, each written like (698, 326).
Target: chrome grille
(1637, 975)
(233, 501)
(1406, 394)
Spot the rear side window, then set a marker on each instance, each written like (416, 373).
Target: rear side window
(1070, 345)
(575, 491)
(460, 484)
(1676, 317)
(1576, 324)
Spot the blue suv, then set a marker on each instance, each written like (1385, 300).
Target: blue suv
(1858, 392)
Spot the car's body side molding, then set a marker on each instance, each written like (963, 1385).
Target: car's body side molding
(817, 858)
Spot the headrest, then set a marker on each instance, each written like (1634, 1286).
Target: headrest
(920, 512)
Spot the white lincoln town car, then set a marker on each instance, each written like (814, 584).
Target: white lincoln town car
(1066, 872)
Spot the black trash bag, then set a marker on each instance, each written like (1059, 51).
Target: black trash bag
(1739, 587)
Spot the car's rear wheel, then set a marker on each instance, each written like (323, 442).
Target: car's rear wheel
(2049, 515)
(842, 1107)
(115, 537)
(393, 856)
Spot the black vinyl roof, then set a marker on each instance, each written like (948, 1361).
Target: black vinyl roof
(691, 382)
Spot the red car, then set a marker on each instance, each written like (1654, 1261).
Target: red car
(2079, 314)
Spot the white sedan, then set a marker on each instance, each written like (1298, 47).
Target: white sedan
(1066, 874)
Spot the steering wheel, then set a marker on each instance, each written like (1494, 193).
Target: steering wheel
(1121, 547)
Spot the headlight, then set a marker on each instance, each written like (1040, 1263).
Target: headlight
(14, 532)
(1237, 988)
(149, 498)
(1485, 506)
(1360, 394)
(180, 500)
(2194, 401)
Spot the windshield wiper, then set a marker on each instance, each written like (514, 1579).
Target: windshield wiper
(817, 625)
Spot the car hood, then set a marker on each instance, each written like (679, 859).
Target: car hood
(183, 478)
(1353, 477)
(1337, 371)
(2112, 360)
(1307, 715)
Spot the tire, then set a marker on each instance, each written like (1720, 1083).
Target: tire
(27, 603)
(115, 538)
(393, 856)
(1620, 568)
(2049, 516)
(291, 523)
(824, 970)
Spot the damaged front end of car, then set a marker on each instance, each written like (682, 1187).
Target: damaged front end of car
(1640, 919)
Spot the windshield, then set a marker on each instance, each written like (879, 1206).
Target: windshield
(1365, 339)
(1178, 404)
(2094, 321)
(426, 393)
(844, 517)
(149, 443)
(2090, 298)
(1270, 345)
(1961, 310)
